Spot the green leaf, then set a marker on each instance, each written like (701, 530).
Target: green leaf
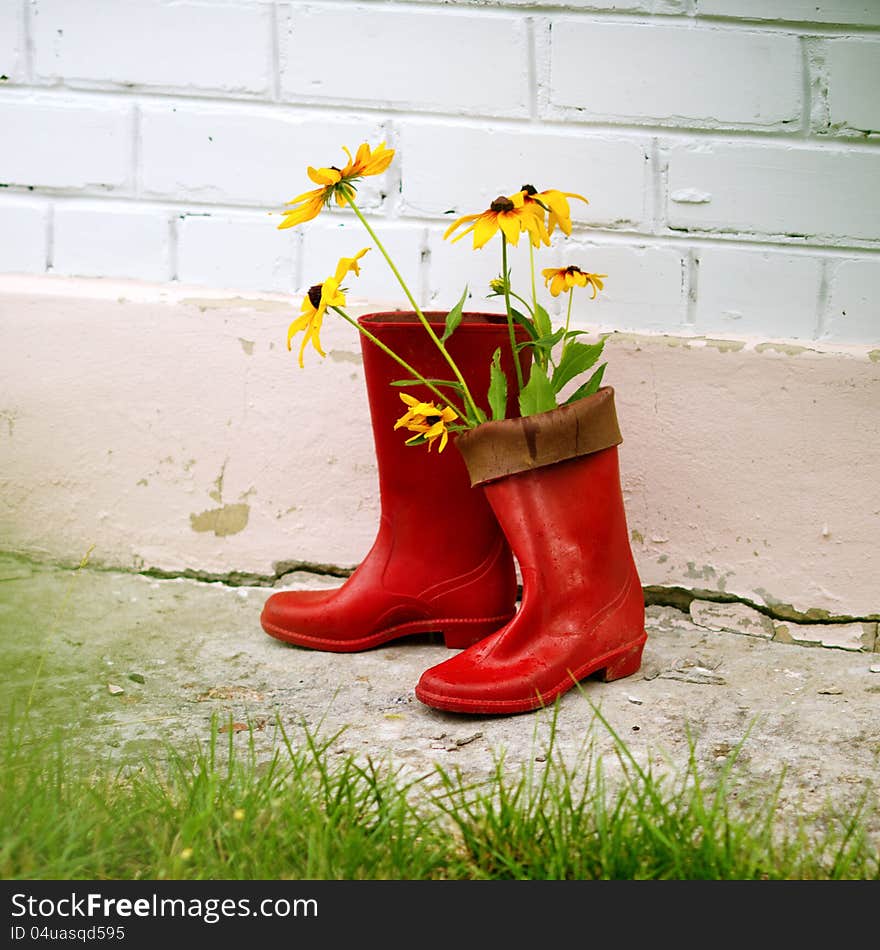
(546, 343)
(543, 321)
(439, 383)
(537, 395)
(577, 358)
(453, 318)
(475, 415)
(497, 387)
(524, 321)
(590, 386)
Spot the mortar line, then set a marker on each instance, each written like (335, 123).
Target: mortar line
(822, 300)
(275, 54)
(532, 68)
(27, 28)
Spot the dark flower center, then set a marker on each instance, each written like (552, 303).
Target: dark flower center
(573, 270)
(502, 204)
(315, 295)
(529, 190)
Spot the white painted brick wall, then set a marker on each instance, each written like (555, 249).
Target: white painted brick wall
(450, 62)
(190, 45)
(97, 240)
(237, 155)
(853, 308)
(730, 149)
(12, 42)
(742, 293)
(447, 168)
(64, 142)
(853, 68)
(665, 74)
(241, 250)
(23, 231)
(853, 12)
(829, 193)
(645, 289)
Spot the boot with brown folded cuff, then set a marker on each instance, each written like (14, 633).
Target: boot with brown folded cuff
(553, 481)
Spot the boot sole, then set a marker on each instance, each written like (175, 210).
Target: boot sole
(611, 666)
(458, 634)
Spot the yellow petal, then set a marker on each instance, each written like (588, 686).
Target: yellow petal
(510, 225)
(485, 227)
(324, 176)
(460, 221)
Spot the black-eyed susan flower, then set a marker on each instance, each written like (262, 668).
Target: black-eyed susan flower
(316, 302)
(511, 215)
(336, 182)
(427, 421)
(555, 203)
(562, 279)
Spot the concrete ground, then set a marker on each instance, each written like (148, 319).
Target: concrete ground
(123, 662)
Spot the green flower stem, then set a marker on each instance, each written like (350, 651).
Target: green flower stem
(415, 373)
(423, 319)
(567, 321)
(532, 269)
(510, 329)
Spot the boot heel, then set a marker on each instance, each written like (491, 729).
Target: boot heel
(461, 634)
(624, 665)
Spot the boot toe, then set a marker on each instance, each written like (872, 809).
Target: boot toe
(286, 612)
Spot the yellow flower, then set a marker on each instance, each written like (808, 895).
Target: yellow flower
(316, 302)
(555, 203)
(427, 421)
(238, 814)
(509, 214)
(336, 182)
(561, 279)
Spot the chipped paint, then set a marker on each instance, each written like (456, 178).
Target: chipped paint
(230, 519)
(341, 356)
(726, 346)
(247, 346)
(9, 417)
(788, 349)
(236, 303)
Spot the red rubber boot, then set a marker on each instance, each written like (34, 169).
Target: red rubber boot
(440, 562)
(554, 483)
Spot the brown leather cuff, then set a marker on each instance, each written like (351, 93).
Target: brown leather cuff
(508, 446)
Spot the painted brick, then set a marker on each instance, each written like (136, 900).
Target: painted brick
(454, 170)
(456, 266)
(853, 312)
(746, 293)
(777, 189)
(326, 241)
(243, 156)
(65, 143)
(734, 618)
(610, 6)
(244, 251)
(709, 77)
(12, 46)
(853, 70)
(863, 12)
(402, 58)
(843, 636)
(643, 289)
(22, 235)
(100, 240)
(214, 46)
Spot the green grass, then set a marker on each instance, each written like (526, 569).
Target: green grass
(221, 812)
